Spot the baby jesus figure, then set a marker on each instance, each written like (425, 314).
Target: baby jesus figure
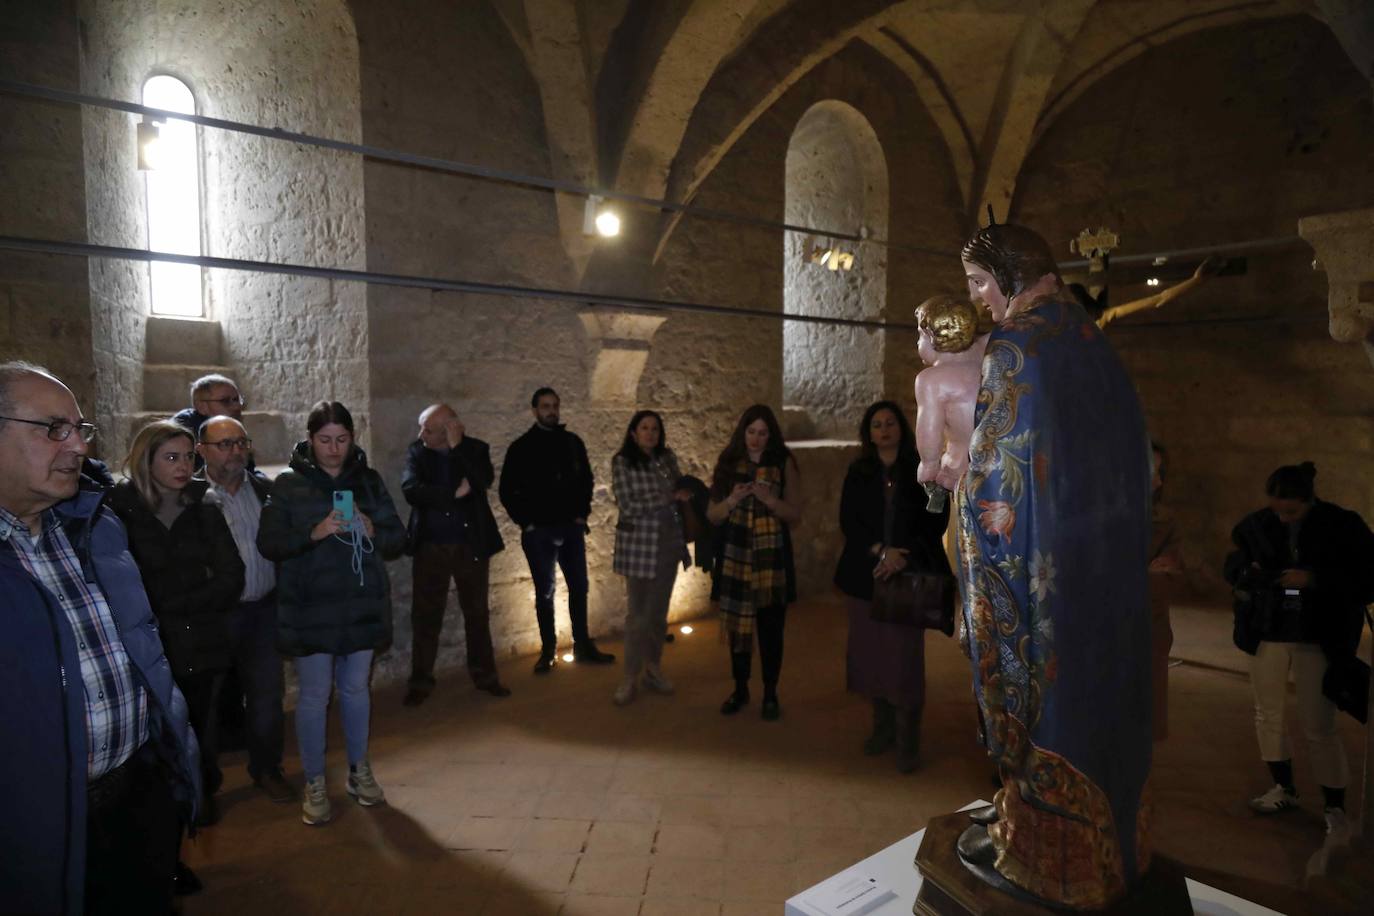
(953, 337)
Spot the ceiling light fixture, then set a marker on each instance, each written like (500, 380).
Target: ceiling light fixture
(598, 219)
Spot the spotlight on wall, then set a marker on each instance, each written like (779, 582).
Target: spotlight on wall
(599, 219)
(149, 145)
(1152, 281)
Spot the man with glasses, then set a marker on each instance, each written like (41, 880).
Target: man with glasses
(224, 446)
(212, 396)
(98, 754)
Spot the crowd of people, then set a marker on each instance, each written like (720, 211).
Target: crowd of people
(133, 600)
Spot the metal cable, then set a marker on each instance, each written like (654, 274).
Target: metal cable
(88, 250)
(433, 163)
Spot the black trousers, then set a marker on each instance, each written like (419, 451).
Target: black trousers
(133, 832)
(435, 565)
(202, 704)
(768, 623)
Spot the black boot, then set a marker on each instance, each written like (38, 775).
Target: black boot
(586, 653)
(547, 659)
(884, 729)
(739, 668)
(908, 738)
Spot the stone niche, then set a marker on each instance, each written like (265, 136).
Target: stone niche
(618, 348)
(836, 179)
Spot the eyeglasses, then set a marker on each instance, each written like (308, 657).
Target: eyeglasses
(228, 445)
(60, 430)
(236, 399)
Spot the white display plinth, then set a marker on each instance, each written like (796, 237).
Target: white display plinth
(894, 871)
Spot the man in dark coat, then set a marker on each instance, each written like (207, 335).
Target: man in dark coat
(226, 449)
(452, 535)
(546, 487)
(98, 751)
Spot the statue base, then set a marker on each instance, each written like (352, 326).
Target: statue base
(948, 888)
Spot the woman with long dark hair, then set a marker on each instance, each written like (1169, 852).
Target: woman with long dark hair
(648, 547)
(1302, 576)
(887, 530)
(191, 571)
(755, 498)
(329, 524)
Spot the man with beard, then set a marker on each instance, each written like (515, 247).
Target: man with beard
(546, 487)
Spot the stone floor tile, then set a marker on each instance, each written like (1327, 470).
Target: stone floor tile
(582, 780)
(499, 804)
(611, 875)
(621, 838)
(540, 871)
(765, 882)
(573, 805)
(537, 904)
(767, 811)
(701, 810)
(671, 906)
(689, 841)
(486, 833)
(700, 878)
(599, 905)
(645, 809)
(760, 844)
(554, 836)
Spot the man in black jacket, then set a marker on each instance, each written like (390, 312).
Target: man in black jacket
(224, 446)
(546, 487)
(452, 535)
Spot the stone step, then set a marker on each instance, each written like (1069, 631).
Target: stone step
(167, 386)
(183, 341)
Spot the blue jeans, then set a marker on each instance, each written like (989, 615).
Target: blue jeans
(350, 673)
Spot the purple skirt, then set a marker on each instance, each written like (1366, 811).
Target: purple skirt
(885, 661)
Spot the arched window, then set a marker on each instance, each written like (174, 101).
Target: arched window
(173, 195)
(836, 178)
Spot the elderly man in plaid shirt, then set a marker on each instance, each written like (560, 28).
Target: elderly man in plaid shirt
(649, 544)
(98, 754)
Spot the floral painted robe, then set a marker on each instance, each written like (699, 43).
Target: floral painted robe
(1054, 528)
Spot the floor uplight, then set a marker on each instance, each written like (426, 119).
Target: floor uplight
(567, 656)
(684, 630)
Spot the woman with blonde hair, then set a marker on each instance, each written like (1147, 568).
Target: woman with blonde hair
(191, 571)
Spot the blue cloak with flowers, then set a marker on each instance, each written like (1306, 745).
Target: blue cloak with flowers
(1054, 529)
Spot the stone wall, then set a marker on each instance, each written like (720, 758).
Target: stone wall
(1224, 136)
(288, 341)
(45, 314)
(836, 178)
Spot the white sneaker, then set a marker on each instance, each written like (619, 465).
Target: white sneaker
(362, 785)
(1276, 799)
(655, 681)
(1337, 828)
(625, 693)
(315, 809)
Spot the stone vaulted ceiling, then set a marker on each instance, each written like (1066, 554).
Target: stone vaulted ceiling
(647, 96)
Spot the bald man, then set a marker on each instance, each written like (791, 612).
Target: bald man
(452, 536)
(99, 763)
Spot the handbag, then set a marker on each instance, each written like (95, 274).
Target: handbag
(915, 599)
(1346, 684)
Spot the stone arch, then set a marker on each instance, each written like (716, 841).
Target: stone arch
(837, 177)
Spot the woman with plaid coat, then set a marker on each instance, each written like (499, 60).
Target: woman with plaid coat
(649, 545)
(755, 498)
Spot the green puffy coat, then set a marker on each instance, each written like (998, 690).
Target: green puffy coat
(322, 607)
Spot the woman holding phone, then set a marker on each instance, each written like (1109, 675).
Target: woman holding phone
(330, 524)
(755, 498)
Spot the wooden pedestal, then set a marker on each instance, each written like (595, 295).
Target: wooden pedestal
(950, 889)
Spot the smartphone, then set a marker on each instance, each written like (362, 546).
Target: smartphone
(343, 504)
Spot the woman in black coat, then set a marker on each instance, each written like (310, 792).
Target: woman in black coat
(191, 571)
(887, 530)
(333, 593)
(1302, 571)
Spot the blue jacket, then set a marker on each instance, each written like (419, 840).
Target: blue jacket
(42, 712)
